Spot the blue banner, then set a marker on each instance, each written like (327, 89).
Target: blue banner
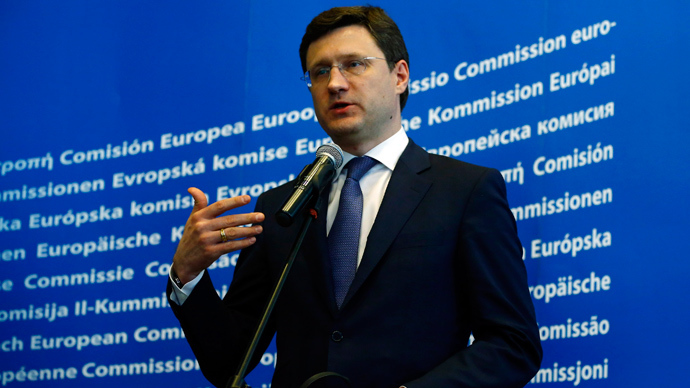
(111, 110)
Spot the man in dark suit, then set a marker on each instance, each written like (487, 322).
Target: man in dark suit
(437, 256)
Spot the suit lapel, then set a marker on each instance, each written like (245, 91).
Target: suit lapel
(405, 190)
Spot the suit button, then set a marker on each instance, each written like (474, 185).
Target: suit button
(337, 336)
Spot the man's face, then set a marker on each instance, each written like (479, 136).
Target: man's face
(357, 112)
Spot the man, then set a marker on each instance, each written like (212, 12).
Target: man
(438, 256)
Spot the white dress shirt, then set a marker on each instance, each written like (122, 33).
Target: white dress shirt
(373, 185)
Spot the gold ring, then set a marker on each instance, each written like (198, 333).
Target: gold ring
(223, 237)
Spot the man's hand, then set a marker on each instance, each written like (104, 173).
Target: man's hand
(202, 243)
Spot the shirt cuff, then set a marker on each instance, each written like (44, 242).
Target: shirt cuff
(179, 295)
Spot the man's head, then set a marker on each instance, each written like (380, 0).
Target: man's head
(381, 27)
(357, 62)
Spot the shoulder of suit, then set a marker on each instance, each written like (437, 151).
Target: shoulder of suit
(440, 161)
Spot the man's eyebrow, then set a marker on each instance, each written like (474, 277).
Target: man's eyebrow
(340, 58)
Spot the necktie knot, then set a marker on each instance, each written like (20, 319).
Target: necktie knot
(357, 167)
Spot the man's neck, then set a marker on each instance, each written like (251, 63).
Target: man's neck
(360, 147)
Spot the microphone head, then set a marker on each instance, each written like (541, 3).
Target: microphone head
(333, 151)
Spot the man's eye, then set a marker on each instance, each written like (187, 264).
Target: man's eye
(354, 64)
(320, 72)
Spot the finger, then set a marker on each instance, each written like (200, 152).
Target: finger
(234, 245)
(220, 207)
(234, 220)
(236, 233)
(200, 201)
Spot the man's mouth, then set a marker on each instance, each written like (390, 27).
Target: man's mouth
(340, 107)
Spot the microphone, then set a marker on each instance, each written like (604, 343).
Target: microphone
(311, 182)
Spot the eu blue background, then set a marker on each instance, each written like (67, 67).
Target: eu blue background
(81, 74)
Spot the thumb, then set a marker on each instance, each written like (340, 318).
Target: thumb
(200, 201)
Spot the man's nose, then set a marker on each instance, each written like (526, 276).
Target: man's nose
(337, 80)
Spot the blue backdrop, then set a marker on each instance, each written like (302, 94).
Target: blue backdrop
(110, 110)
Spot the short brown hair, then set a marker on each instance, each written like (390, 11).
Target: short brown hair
(381, 27)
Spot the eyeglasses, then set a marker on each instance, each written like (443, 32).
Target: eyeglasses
(322, 74)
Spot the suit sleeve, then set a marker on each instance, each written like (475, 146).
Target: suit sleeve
(506, 351)
(219, 331)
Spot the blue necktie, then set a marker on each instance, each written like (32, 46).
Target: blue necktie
(343, 239)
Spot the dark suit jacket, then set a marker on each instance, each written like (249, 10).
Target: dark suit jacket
(443, 260)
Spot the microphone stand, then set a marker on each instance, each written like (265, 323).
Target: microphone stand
(237, 381)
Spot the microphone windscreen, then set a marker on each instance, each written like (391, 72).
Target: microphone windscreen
(332, 150)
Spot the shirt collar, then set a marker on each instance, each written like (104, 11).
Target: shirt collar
(386, 153)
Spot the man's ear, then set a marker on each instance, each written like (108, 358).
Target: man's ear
(402, 73)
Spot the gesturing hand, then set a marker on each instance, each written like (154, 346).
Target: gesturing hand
(208, 235)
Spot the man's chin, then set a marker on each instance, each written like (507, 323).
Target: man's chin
(342, 127)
